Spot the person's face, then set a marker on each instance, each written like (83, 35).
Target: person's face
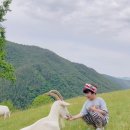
(90, 96)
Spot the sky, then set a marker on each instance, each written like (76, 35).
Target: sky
(92, 32)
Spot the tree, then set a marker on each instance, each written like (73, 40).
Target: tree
(6, 69)
(41, 100)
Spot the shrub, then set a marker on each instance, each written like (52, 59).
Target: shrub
(9, 104)
(41, 99)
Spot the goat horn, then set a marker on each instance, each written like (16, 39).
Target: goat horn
(53, 95)
(57, 93)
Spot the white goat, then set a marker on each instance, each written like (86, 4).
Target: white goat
(4, 111)
(52, 121)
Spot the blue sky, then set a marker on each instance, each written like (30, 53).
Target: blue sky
(93, 32)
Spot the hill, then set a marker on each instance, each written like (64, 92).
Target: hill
(123, 82)
(39, 70)
(117, 102)
(125, 78)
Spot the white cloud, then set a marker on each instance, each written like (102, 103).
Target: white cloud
(73, 27)
(95, 16)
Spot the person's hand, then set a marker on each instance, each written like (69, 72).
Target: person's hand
(71, 118)
(75, 117)
(93, 108)
(68, 117)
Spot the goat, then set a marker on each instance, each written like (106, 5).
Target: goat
(4, 111)
(52, 121)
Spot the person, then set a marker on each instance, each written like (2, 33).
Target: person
(94, 111)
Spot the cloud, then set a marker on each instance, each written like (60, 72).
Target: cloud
(83, 16)
(73, 27)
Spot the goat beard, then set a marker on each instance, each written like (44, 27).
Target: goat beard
(62, 123)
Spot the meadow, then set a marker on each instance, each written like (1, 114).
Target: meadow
(118, 104)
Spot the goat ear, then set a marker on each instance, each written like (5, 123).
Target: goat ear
(63, 103)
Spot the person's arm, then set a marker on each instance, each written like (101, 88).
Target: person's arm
(98, 110)
(75, 117)
(103, 110)
(80, 115)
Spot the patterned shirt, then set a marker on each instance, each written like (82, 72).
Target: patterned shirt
(98, 103)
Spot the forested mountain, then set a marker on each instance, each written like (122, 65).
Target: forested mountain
(39, 70)
(121, 81)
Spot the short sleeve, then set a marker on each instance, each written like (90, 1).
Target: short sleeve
(84, 109)
(103, 105)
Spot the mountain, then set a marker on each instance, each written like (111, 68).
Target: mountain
(125, 78)
(40, 70)
(121, 81)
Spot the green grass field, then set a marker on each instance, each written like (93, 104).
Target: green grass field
(118, 104)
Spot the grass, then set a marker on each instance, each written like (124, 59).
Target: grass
(118, 104)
